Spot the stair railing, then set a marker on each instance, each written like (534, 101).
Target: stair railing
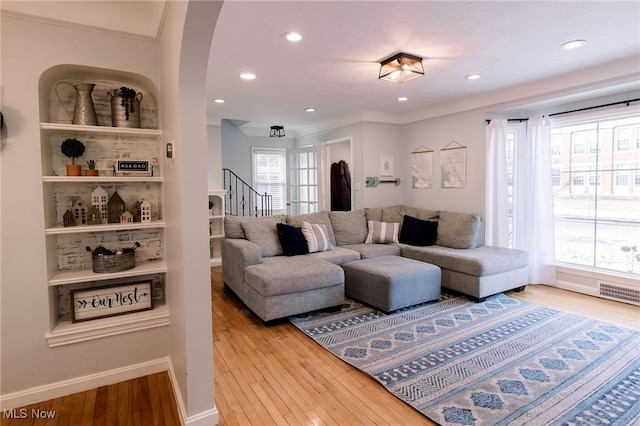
(242, 199)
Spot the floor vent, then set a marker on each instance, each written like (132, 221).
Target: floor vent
(620, 293)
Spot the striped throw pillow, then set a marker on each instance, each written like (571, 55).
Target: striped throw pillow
(317, 237)
(382, 232)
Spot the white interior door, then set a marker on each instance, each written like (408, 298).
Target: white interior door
(304, 183)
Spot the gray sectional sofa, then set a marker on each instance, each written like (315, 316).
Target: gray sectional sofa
(274, 285)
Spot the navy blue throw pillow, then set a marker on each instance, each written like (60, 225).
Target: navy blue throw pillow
(418, 232)
(292, 240)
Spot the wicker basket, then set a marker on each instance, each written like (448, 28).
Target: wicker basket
(104, 263)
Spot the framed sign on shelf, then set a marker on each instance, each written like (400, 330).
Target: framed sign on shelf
(111, 300)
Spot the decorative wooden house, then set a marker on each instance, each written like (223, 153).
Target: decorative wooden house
(145, 211)
(126, 217)
(79, 211)
(99, 198)
(115, 207)
(68, 219)
(94, 216)
(135, 211)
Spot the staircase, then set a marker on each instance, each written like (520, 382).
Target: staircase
(242, 200)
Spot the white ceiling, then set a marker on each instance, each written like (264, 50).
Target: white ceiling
(335, 67)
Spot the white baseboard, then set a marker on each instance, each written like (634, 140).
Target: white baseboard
(84, 383)
(205, 418)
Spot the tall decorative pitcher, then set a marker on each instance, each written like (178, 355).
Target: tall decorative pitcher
(84, 112)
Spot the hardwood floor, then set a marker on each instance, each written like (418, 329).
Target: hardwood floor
(277, 376)
(144, 401)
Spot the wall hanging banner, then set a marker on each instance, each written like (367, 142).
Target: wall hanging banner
(422, 168)
(453, 165)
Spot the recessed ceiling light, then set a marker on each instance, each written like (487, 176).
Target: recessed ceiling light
(218, 100)
(310, 109)
(247, 76)
(293, 36)
(403, 98)
(573, 44)
(472, 76)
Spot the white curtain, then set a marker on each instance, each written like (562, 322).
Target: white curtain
(533, 200)
(497, 208)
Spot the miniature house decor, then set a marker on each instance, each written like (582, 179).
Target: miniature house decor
(68, 219)
(145, 211)
(94, 216)
(135, 211)
(79, 211)
(126, 217)
(99, 199)
(115, 207)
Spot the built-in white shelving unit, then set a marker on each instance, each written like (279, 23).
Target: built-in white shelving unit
(216, 226)
(68, 261)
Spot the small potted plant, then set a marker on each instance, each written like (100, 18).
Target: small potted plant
(92, 168)
(73, 149)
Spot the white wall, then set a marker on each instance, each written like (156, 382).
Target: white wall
(382, 140)
(28, 49)
(236, 149)
(214, 155)
(185, 43)
(466, 128)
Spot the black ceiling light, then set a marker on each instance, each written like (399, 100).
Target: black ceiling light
(277, 131)
(401, 67)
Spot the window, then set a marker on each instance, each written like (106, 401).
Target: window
(577, 173)
(578, 143)
(556, 146)
(622, 174)
(597, 215)
(555, 176)
(623, 138)
(269, 176)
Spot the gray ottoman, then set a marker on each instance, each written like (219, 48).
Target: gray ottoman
(391, 282)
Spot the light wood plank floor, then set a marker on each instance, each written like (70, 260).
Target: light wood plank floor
(278, 376)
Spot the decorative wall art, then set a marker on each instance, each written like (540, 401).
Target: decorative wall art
(422, 168)
(453, 165)
(106, 301)
(386, 165)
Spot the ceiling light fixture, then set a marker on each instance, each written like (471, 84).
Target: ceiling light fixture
(573, 44)
(247, 76)
(310, 109)
(403, 99)
(294, 37)
(401, 67)
(277, 131)
(218, 100)
(472, 77)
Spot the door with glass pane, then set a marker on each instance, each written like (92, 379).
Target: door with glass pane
(304, 167)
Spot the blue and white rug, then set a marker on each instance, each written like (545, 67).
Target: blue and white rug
(500, 362)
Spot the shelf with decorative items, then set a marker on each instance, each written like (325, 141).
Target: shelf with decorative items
(115, 203)
(216, 226)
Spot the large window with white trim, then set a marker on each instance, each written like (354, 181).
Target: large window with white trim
(596, 193)
(269, 175)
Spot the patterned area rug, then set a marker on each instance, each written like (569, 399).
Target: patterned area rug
(500, 362)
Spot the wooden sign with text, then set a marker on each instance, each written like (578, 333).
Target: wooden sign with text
(107, 301)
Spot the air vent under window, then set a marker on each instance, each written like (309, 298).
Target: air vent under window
(620, 293)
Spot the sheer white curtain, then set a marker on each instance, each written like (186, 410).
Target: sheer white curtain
(497, 207)
(533, 200)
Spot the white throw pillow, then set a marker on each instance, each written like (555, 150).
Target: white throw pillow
(317, 237)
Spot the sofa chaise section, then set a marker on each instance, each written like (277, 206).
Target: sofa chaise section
(479, 272)
(280, 286)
